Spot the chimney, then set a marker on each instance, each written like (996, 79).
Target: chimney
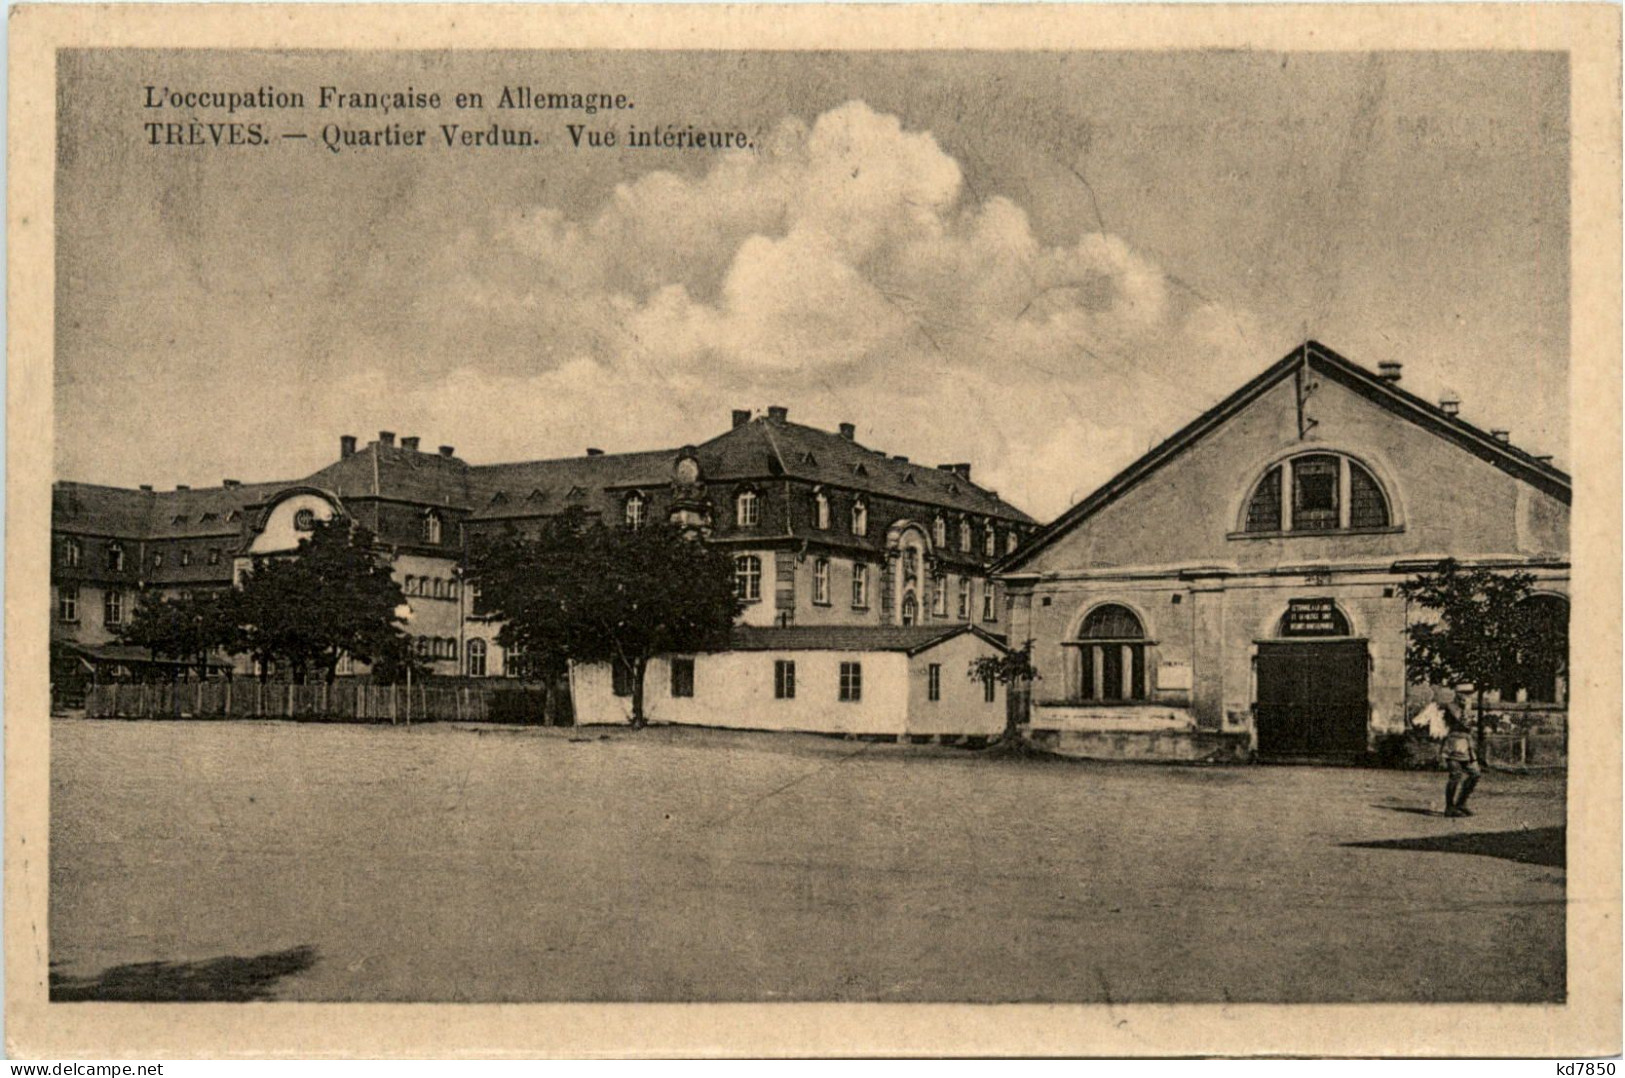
(741, 417)
(1389, 371)
(386, 437)
(182, 486)
(410, 443)
(1544, 458)
(1502, 436)
(849, 432)
(229, 483)
(777, 413)
(900, 459)
(1450, 406)
(591, 452)
(448, 451)
(147, 487)
(346, 446)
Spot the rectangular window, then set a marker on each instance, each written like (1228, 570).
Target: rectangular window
(214, 555)
(784, 680)
(989, 690)
(933, 682)
(964, 599)
(682, 677)
(1314, 493)
(990, 609)
(851, 682)
(860, 586)
(939, 596)
(113, 608)
(821, 581)
(621, 677)
(67, 602)
(1112, 671)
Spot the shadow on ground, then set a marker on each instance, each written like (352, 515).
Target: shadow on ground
(227, 979)
(1533, 846)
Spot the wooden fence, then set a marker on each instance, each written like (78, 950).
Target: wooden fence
(1526, 752)
(339, 702)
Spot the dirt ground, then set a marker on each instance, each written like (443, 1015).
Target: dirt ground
(251, 860)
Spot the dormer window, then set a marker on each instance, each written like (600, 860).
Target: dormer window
(431, 528)
(115, 557)
(990, 541)
(158, 559)
(860, 517)
(1316, 492)
(304, 520)
(821, 510)
(747, 509)
(964, 535)
(636, 504)
(73, 553)
(939, 531)
(1010, 541)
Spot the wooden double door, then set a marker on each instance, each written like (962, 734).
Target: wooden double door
(1312, 698)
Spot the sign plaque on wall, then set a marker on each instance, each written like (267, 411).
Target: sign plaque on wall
(1313, 617)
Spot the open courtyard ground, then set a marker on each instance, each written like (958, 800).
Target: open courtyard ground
(263, 860)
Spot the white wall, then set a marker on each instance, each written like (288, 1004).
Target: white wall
(735, 689)
(963, 707)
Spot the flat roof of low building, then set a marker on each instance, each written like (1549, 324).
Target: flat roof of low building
(911, 639)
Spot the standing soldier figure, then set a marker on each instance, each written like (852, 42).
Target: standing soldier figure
(1460, 754)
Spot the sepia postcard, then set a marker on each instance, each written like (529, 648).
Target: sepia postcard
(813, 530)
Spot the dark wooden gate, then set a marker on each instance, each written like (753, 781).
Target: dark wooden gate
(1312, 698)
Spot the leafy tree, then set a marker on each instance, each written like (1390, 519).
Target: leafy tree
(584, 592)
(1486, 633)
(183, 627)
(332, 596)
(1014, 667)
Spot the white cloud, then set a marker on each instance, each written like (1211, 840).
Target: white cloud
(841, 269)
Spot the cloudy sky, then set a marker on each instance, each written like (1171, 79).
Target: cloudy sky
(1039, 263)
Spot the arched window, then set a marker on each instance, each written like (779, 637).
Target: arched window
(860, 586)
(431, 528)
(990, 541)
(1317, 492)
(821, 582)
(1541, 673)
(821, 511)
(964, 598)
(939, 595)
(964, 534)
(115, 557)
(1010, 541)
(911, 609)
(476, 658)
(304, 520)
(1111, 647)
(439, 588)
(939, 531)
(634, 510)
(748, 577)
(860, 517)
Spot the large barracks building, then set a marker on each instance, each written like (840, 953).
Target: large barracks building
(1235, 591)
(826, 533)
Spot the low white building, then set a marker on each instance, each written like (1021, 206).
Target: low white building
(876, 680)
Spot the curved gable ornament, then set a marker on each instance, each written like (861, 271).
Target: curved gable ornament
(282, 522)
